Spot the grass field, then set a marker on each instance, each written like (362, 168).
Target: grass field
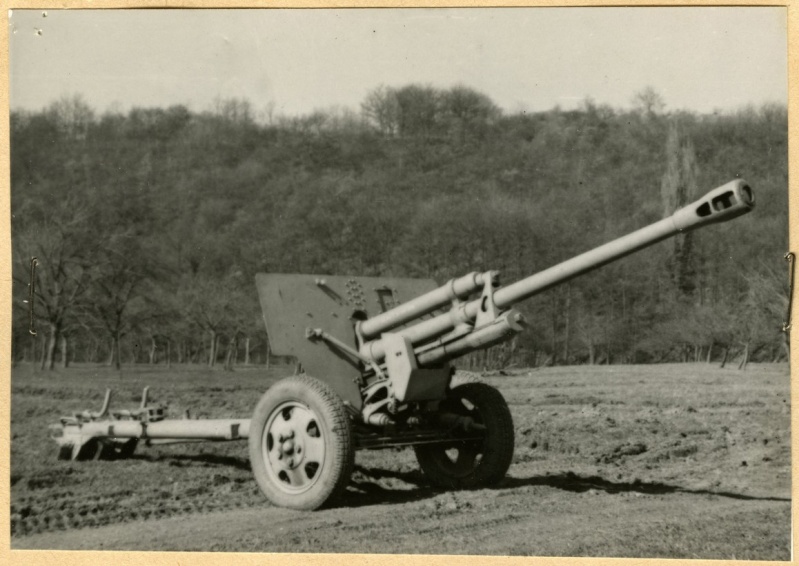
(680, 461)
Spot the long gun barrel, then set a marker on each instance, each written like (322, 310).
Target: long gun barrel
(719, 205)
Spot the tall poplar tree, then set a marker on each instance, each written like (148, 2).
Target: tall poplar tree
(678, 188)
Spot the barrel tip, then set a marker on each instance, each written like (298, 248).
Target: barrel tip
(736, 195)
(745, 193)
(723, 203)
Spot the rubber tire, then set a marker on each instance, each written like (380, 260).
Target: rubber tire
(333, 421)
(489, 409)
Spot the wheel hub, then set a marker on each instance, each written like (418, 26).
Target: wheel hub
(294, 447)
(290, 454)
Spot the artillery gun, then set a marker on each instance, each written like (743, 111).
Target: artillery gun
(378, 374)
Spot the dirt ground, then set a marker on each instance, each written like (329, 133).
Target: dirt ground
(671, 461)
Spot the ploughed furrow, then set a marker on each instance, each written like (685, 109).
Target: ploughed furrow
(43, 512)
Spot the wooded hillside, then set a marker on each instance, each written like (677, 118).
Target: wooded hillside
(149, 226)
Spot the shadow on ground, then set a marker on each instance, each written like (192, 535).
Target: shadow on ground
(572, 482)
(375, 486)
(366, 489)
(205, 460)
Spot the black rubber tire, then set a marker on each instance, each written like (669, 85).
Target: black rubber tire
(474, 464)
(321, 456)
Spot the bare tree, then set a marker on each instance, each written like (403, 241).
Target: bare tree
(72, 116)
(649, 102)
(113, 295)
(381, 108)
(678, 188)
(57, 234)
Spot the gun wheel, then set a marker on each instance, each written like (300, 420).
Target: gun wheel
(475, 463)
(300, 441)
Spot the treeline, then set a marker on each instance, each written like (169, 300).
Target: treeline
(149, 226)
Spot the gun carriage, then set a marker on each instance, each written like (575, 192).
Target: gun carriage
(376, 355)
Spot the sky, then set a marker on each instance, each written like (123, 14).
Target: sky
(298, 61)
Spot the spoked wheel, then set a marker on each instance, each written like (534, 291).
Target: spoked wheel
(472, 463)
(300, 441)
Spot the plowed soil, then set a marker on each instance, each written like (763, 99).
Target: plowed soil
(675, 461)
